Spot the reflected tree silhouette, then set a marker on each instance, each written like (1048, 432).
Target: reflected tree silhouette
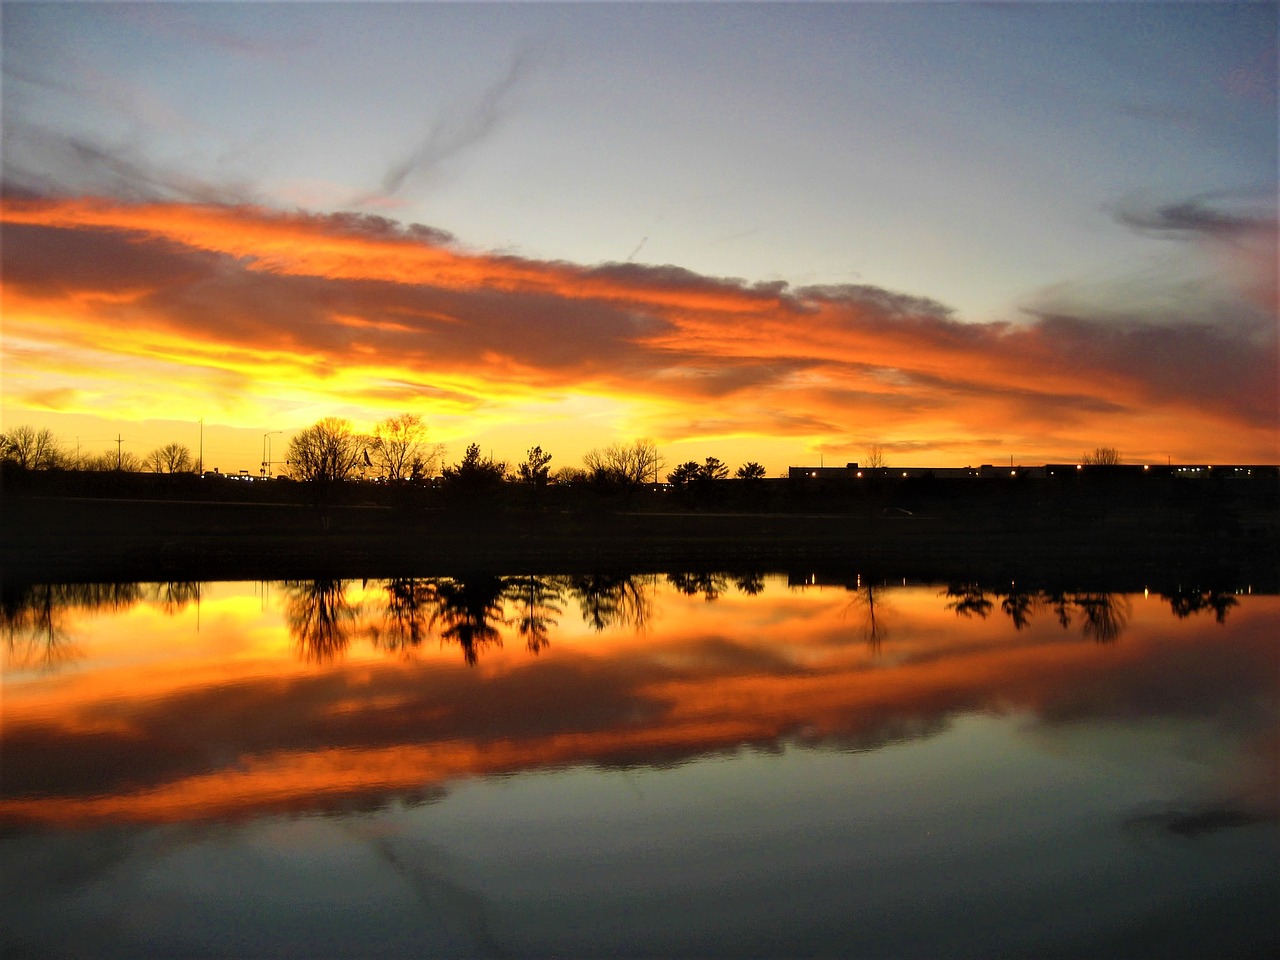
(867, 599)
(468, 612)
(1184, 603)
(320, 617)
(710, 585)
(1060, 603)
(404, 619)
(32, 617)
(1018, 604)
(1105, 615)
(31, 620)
(536, 599)
(751, 584)
(610, 600)
(969, 600)
(173, 596)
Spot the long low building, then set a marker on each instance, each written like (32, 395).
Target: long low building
(1189, 471)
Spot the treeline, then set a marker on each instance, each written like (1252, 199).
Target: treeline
(398, 449)
(29, 448)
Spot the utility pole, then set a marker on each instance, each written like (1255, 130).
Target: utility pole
(200, 467)
(266, 452)
(119, 450)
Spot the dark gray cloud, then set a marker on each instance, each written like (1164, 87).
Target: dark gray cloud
(1208, 215)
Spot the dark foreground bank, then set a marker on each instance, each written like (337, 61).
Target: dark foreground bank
(1049, 538)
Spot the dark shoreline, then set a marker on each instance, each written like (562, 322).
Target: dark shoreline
(68, 540)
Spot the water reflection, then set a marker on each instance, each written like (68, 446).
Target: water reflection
(320, 617)
(473, 611)
(37, 620)
(1103, 616)
(638, 723)
(613, 600)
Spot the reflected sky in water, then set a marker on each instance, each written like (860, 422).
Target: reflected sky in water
(682, 764)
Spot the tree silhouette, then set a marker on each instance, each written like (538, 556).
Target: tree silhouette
(1102, 457)
(326, 452)
(625, 464)
(119, 461)
(171, 458)
(752, 584)
(32, 449)
(750, 471)
(536, 468)
(474, 474)
(684, 474)
(713, 469)
(399, 449)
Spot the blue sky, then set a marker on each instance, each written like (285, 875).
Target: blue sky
(1005, 160)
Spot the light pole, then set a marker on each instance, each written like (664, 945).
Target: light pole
(266, 451)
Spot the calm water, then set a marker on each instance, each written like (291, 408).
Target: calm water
(653, 765)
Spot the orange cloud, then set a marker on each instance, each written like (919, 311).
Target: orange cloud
(365, 314)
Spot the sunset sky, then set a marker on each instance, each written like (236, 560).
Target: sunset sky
(773, 232)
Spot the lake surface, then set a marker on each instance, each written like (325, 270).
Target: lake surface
(686, 764)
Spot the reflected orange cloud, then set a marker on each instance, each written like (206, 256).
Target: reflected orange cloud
(206, 735)
(291, 312)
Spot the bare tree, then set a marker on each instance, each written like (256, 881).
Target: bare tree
(1102, 457)
(400, 450)
(628, 463)
(875, 456)
(32, 449)
(329, 450)
(171, 458)
(118, 460)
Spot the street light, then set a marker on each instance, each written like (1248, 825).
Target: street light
(266, 451)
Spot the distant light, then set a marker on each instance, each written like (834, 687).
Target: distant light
(1013, 473)
(1079, 466)
(859, 473)
(1146, 466)
(904, 473)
